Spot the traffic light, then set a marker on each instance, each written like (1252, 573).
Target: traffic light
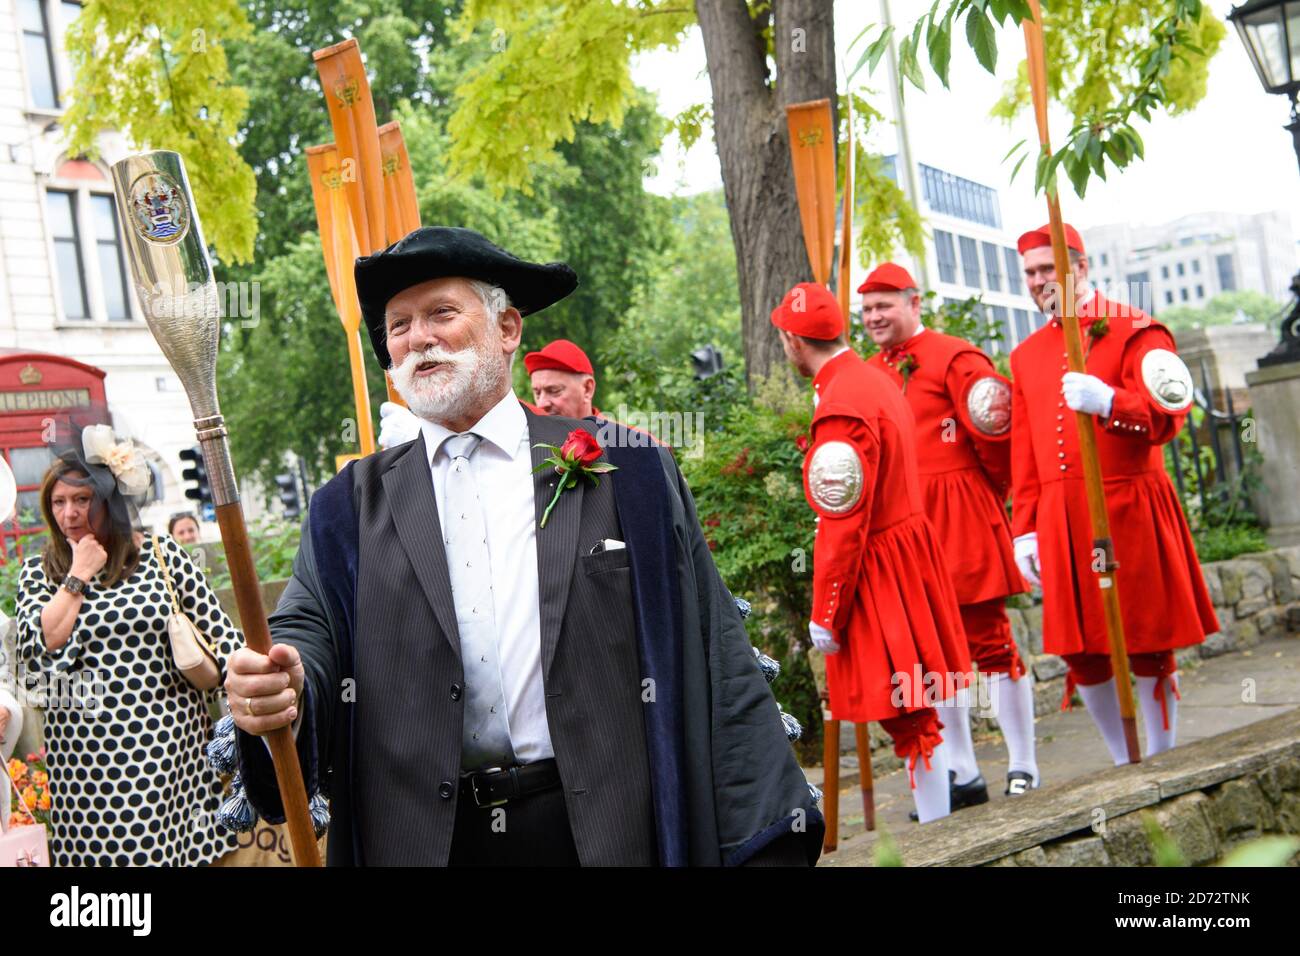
(707, 362)
(288, 486)
(197, 472)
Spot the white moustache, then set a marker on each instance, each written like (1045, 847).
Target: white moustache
(433, 354)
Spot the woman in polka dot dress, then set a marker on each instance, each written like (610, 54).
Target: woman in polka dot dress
(124, 730)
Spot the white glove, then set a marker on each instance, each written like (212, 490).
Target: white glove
(397, 425)
(1087, 393)
(1025, 548)
(822, 639)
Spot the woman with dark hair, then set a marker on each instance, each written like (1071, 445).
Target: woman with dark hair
(124, 730)
(184, 527)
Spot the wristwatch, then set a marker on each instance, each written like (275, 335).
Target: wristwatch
(74, 585)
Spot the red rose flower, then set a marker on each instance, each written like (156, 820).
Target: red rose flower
(802, 443)
(581, 447)
(579, 456)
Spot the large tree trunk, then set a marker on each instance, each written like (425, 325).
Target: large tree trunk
(754, 148)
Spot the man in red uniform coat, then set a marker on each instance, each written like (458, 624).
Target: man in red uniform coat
(884, 610)
(962, 408)
(1140, 392)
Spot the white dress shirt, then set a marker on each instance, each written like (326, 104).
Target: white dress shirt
(502, 466)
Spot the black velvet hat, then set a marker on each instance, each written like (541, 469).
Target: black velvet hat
(436, 252)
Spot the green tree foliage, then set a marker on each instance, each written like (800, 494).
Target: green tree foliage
(690, 301)
(1223, 309)
(748, 486)
(589, 209)
(886, 220)
(405, 45)
(1109, 63)
(158, 73)
(1091, 50)
(555, 64)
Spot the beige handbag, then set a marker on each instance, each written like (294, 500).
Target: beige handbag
(194, 657)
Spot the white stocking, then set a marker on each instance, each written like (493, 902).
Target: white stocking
(931, 791)
(1103, 704)
(957, 743)
(1158, 739)
(1013, 706)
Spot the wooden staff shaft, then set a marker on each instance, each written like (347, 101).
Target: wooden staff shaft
(1103, 548)
(257, 635)
(865, 777)
(831, 783)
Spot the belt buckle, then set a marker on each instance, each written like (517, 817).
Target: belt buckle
(473, 786)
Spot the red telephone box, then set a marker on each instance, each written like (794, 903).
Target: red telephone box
(41, 396)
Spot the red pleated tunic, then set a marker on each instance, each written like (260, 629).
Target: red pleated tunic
(965, 469)
(1163, 599)
(879, 576)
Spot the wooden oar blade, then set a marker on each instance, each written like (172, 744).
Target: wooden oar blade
(401, 208)
(812, 156)
(352, 115)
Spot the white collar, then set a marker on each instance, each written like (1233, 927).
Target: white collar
(503, 425)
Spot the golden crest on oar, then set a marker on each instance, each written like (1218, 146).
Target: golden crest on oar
(347, 90)
(811, 136)
(391, 164)
(331, 177)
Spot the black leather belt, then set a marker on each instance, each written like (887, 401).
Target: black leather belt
(492, 788)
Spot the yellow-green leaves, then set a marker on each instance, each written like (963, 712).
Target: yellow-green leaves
(157, 72)
(1111, 64)
(554, 64)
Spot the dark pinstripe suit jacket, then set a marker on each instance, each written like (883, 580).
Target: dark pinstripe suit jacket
(389, 720)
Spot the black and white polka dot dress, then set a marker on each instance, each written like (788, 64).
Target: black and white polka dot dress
(124, 731)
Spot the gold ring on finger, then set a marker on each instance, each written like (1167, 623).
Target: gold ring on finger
(248, 706)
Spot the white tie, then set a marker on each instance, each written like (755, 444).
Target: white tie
(485, 738)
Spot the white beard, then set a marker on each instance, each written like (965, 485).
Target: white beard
(472, 375)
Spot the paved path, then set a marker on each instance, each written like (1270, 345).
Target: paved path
(1216, 698)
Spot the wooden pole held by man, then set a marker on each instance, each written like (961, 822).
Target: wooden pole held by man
(1103, 548)
(173, 277)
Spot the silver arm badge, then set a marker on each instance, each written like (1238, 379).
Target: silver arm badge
(835, 477)
(988, 403)
(1167, 379)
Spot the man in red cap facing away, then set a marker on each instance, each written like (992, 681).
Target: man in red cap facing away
(962, 408)
(563, 384)
(884, 611)
(1139, 392)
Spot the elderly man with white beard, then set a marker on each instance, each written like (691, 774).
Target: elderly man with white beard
(502, 643)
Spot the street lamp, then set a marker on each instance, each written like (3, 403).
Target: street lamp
(1270, 31)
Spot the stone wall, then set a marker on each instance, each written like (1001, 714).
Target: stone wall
(1209, 797)
(1256, 598)
(1205, 824)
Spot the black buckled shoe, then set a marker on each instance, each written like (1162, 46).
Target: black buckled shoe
(1019, 783)
(961, 795)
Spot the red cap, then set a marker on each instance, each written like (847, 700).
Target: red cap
(812, 310)
(888, 277)
(1042, 236)
(560, 354)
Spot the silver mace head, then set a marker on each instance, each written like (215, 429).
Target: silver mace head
(173, 279)
(171, 269)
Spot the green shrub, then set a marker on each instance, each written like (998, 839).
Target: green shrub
(748, 487)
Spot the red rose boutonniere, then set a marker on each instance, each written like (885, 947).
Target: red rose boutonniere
(906, 366)
(579, 455)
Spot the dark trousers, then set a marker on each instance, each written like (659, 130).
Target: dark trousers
(531, 831)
